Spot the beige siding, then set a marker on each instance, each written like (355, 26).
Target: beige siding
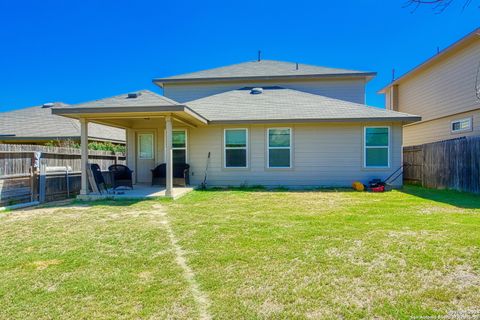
(445, 88)
(323, 155)
(439, 129)
(388, 99)
(350, 90)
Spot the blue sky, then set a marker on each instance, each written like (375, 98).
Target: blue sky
(75, 51)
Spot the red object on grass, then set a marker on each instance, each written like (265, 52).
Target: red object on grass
(378, 189)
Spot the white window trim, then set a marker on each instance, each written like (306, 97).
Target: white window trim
(139, 145)
(235, 148)
(268, 147)
(365, 147)
(469, 119)
(165, 144)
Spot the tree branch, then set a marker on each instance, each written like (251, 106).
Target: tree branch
(438, 5)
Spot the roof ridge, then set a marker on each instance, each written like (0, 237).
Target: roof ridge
(262, 68)
(159, 95)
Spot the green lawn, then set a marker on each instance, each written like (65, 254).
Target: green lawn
(249, 254)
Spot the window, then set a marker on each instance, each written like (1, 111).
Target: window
(461, 125)
(279, 148)
(236, 148)
(179, 146)
(377, 153)
(145, 146)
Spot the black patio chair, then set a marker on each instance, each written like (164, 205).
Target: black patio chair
(181, 171)
(121, 176)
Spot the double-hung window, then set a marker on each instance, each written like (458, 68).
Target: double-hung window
(377, 147)
(279, 148)
(179, 146)
(236, 148)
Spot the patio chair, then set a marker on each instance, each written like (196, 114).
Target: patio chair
(121, 176)
(181, 174)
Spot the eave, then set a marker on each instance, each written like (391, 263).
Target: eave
(161, 81)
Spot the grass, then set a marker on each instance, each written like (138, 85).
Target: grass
(254, 253)
(89, 262)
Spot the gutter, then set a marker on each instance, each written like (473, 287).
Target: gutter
(133, 109)
(260, 121)
(161, 81)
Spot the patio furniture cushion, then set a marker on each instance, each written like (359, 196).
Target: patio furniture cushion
(121, 176)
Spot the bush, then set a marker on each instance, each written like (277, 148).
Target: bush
(94, 145)
(106, 146)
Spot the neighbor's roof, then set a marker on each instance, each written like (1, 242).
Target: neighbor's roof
(466, 40)
(277, 104)
(263, 70)
(37, 123)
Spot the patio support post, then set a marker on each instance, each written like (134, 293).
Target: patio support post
(169, 157)
(84, 155)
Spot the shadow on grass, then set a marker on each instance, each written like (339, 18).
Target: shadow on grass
(455, 198)
(118, 202)
(274, 189)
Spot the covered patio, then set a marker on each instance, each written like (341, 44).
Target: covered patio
(149, 120)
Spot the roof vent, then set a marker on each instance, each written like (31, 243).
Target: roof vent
(133, 95)
(48, 105)
(256, 91)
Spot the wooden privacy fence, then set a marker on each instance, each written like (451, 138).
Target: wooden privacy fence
(451, 164)
(39, 173)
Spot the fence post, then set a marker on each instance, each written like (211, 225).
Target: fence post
(423, 165)
(43, 179)
(36, 174)
(67, 178)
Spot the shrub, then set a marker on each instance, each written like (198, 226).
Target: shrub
(94, 145)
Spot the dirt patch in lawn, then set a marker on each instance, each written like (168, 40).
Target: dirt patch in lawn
(44, 264)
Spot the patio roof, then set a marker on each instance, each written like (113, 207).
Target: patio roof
(118, 111)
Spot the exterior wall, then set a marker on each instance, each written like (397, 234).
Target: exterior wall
(388, 99)
(322, 155)
(349, 89)
(439, 129)
(157, 127)
(443, 89)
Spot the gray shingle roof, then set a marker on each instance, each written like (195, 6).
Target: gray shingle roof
(38, 122)
(277, 103)
(145, 98)
(262, 69)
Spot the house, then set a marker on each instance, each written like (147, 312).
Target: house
(37, 125)
(444, 91)
(264, 123)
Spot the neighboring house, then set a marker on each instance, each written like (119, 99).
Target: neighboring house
(264, 123)
(37, 125)
(444, 91)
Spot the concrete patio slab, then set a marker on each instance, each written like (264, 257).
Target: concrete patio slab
(140, 191)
